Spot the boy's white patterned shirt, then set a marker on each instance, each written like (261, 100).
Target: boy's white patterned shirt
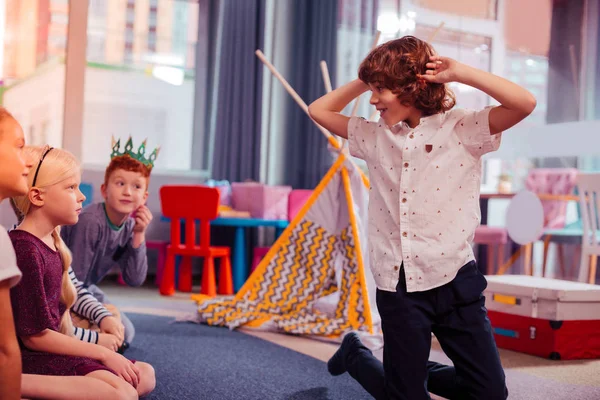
(424, 195)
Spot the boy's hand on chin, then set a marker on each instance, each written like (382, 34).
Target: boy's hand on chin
(143, 217)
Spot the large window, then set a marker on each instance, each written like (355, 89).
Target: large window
(508, 38)
(141, 66)
(470, 48)
(480, 9)
(140, 78)
(33, 38)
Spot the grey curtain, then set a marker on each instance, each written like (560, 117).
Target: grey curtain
(597, 72)
(237, 98)
(567, 18)
(204, 82)
(313, 38)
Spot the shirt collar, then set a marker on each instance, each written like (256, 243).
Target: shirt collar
(403, 126)
(110, 224)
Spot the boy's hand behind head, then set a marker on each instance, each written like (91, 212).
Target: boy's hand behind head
(397, 71)
(443, 70)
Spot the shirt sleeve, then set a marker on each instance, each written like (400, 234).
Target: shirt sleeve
(134, 262)
(86, 304)
(28, 299)
(82, 239)
(9, 271)
(361, 137)
(473, 129)
(85, 335)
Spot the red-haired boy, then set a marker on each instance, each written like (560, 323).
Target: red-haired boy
(113, 232)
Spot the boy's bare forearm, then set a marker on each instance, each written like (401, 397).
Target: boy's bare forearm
(326, 110)
(336, 100)
(508, 94)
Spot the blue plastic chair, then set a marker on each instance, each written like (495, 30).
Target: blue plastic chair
(88, 191)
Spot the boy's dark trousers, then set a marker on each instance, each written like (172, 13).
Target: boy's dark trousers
(455, 313)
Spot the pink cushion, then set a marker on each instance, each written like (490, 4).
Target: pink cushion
(259, 254)
(553, 181)
(262, 201)
(161, 246)
(297, 199)
(156, 244)
(490, 235)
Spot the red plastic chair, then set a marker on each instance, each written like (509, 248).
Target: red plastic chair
(161, 247)
(191, 203)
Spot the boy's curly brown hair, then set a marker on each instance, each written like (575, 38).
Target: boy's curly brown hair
(395, 66)
(126, 163)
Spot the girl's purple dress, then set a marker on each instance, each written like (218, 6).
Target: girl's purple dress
(36, 307)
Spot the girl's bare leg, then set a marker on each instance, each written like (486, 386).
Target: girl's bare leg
(147, 378)
(96, 385)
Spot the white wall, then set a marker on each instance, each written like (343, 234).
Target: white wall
(274, 122)
(38, 104)
(118, 103)
(566, 139)
(122, 103)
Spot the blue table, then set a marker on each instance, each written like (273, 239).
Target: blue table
(240, 258)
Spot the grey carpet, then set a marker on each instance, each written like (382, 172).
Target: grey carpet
(200, 362)
(524, 386)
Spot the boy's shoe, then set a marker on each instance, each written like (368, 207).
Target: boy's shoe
(123, 347)
(337, 363)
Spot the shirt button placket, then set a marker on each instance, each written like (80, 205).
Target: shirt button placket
(404, 202)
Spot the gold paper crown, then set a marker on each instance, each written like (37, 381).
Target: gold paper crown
(139, 156)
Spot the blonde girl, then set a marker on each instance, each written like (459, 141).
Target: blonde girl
(41, 301)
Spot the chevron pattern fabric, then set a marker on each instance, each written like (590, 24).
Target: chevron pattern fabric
(296, 277)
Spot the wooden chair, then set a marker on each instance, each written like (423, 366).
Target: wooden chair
(553, 186)
(589, 201)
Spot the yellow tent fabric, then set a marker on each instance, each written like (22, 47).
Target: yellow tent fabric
(314, 280)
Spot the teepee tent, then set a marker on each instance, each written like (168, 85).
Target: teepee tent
(315, 280)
